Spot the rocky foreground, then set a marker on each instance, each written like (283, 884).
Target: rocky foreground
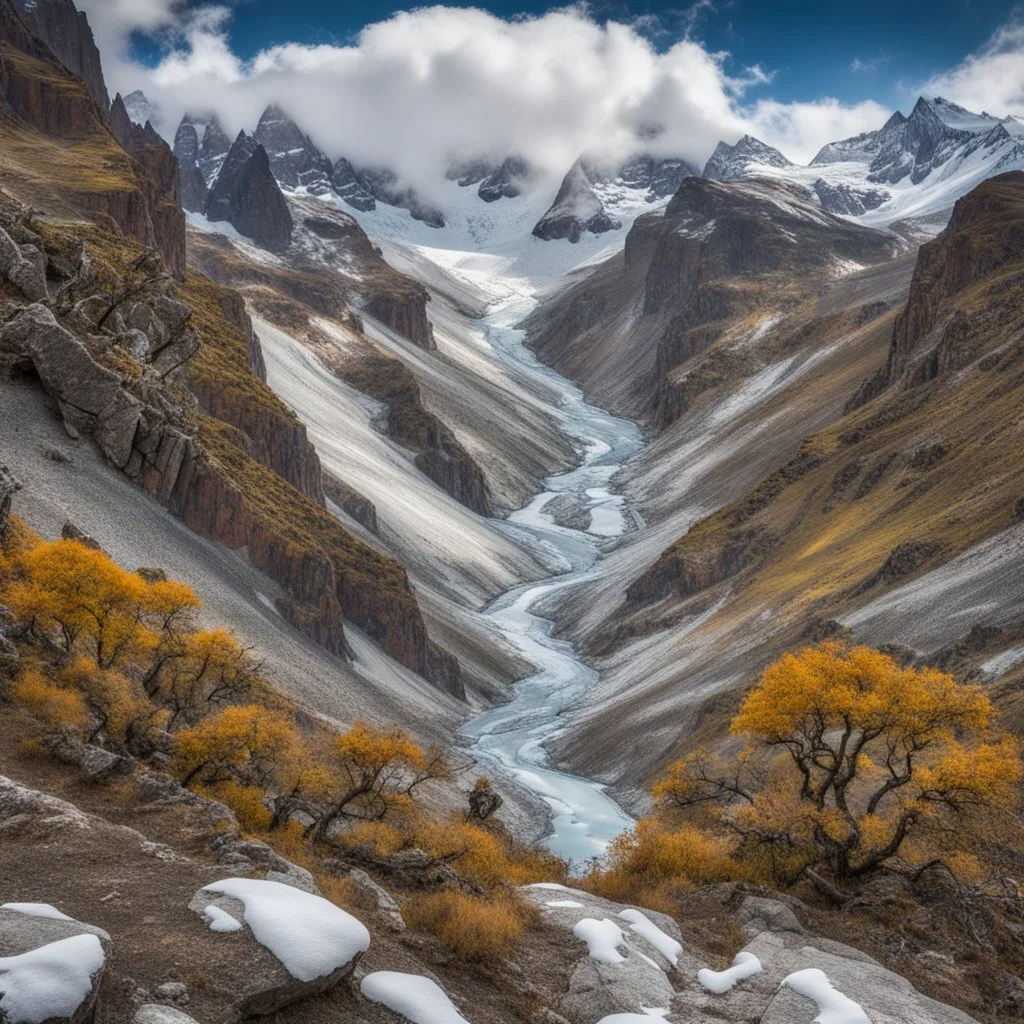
(176, 918)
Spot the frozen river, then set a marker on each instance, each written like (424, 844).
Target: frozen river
(511, 736)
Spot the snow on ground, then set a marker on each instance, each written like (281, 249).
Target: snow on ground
(602, 938)
(50, 982)
(220, 920)
(647, 929)
(563, 903)
(982, 585)
(647, 1017)
(308, 934)
(744, 965)
(414, 997)
(833, 1006)
(37, 910)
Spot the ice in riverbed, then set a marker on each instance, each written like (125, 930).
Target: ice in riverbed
(744, 965)
(647, 929)
(50, 982)
(602, 938)
(833, 1006)
(309, 935)
(414, 997)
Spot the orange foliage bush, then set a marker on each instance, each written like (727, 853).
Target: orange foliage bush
(472, 927)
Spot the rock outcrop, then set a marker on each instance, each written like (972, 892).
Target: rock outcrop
(730, 162)
(576, 209)
(192, 185)
(294, 160)
(66, 32)
(7, 489)
(934, 336)
(349, 188)
(506, 181)
(156, 158)
(247, 196)
(88, 172)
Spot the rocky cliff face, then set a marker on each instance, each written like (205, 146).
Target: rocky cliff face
(939, 331)
(66, 32)
(192, 185)
(247, 196)
(577, 208)
(89, 173)
(722, 250)
(294, 160)
(127, 357)
(155, 157)
(730, 162)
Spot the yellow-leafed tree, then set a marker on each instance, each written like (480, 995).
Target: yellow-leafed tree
(852, 760)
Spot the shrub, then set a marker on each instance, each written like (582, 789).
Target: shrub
(53, 704)
(472, 927)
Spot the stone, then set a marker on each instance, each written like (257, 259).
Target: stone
(598, 989)
(23, 273)
(71, 532)
(172, 992)
(154, 1013)
(372, 897)
(7, 489)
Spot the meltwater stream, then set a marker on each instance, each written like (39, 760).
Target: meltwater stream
(512, 736)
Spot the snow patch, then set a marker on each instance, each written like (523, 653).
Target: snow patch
(744, 965)
(647, 929)
(833, 1006)
(414, 997)
(647, 1017)
(563, 903)
(602, 939)
(49, 982)
(309, 935)
(37, 910)
(220, 920)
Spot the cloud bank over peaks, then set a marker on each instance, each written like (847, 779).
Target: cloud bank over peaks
(431, 85)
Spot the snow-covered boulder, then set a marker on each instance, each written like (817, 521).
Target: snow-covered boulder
(626, 963)
(315, 943)
(50, 965)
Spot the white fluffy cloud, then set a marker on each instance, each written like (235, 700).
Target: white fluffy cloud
(991, 79)
(437, 82)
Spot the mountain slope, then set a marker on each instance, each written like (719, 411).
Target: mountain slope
(863, 522)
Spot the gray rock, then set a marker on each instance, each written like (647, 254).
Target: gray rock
(758, 914)
(7, 489)
(370, 896)
(598, 989)
(25, 274)
(90, 396)
(172, 992)
(154, 1013)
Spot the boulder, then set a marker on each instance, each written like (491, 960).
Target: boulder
(25, 274)
(90, 396)
(315, 945)
(37, 941)
(598, 987)
(155, 1013)
(373, 898)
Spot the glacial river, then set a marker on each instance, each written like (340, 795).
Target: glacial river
(511, 736)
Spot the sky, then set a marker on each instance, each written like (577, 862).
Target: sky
(411, 88)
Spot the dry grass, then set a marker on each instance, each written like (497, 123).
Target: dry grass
(474, 928)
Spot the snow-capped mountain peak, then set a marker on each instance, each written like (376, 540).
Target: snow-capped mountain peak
(740, 161)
